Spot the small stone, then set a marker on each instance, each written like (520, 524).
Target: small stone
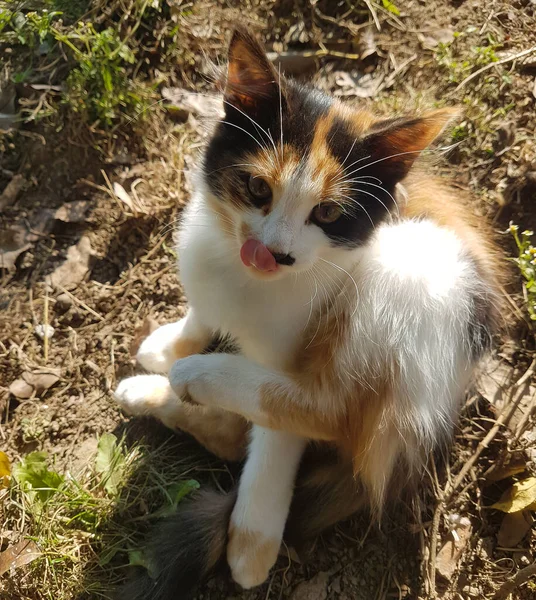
(314, 589)
(64, 302)
(44, 330)
(472, 591)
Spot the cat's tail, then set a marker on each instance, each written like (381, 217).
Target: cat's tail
(184, 548)
(187, 546)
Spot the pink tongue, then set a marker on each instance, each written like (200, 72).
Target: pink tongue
(255, 254)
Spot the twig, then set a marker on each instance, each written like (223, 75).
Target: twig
(433, 546)
(45, 326)
(509, 586)
(372, 10)
(81, 304)
(503, 61)
(503, 419)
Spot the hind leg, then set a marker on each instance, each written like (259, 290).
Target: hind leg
(221, 432)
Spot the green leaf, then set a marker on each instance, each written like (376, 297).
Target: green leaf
(391, 7)
(110, 462)
(34, 477)
(178, 491)
(136, 558)
(107, 79)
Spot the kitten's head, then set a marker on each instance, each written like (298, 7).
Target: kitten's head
(296, 176)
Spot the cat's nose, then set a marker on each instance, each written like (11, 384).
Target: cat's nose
(283, 259)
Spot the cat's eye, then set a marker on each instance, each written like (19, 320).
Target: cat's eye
(326, 212)
(259, 189)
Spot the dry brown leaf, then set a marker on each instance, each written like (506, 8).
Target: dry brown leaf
(11, 191)
(18, 555)
(513, 528)
(314, 589)
(451, 552)
(13, 242)
(433, 38)
(71, 272)
(520, 496)
(183, 103)
(73, 212)
(20, 389)
(34, 383)
(124, 196)
(512, 463)
(495, 381)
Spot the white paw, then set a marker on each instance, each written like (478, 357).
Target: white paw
(158, 351)
(143, 394)
(195, 378)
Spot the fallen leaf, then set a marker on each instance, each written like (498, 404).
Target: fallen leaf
(35, 382)
(125, 197)
(73, 212)
(513, 528)
(314, 589)
(494, 382)
(520, 496)
(140, 333)
(33, 475)
(360, 86)
(293, 62)
(433, 38)
(451, 552)
(511, 463)
(11, 191)
(75, 267)
(110, 462)
(13, 242)
(5, 470)
(20, 389)
(182, 103)
(8, 109)
(18, 555)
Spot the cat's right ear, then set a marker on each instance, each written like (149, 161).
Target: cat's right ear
(251, 78)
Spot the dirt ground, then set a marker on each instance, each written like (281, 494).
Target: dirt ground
(120, 274)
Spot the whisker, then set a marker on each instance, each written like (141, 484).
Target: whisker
(376, 197)
(344, 271)
(254, 123)
(379, 160)
(261, 146)
(280, 112)
(354, 201)
(349, 152)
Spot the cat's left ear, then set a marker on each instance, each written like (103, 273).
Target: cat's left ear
(251, 77)
(394, 145)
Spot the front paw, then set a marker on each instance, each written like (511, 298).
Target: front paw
(143, 394)
(164, 346)
(250, 555)
(191, 379)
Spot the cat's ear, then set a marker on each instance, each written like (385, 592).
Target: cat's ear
(251, 78)
(395, 144)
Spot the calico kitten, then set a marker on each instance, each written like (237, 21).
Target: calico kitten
(360, 294)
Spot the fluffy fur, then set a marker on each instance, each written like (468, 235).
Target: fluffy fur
(364, 336)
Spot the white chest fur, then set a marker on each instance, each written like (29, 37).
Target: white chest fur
(266, 318)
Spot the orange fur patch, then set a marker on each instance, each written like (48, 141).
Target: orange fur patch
(186, 347)
(221, 432)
